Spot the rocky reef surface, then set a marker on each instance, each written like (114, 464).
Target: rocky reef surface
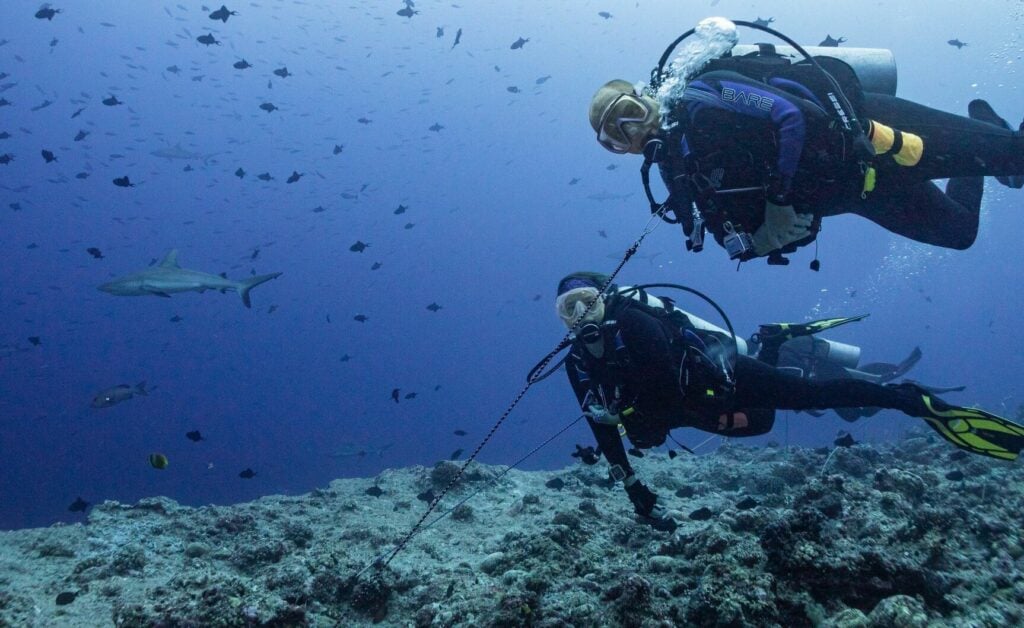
(914, 533)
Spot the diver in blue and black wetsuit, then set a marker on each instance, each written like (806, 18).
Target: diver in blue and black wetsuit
(760, 161)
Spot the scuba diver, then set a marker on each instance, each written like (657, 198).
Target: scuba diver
(758, 149)
(641, 367)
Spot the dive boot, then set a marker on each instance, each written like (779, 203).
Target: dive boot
(980, 110)
(974, 430)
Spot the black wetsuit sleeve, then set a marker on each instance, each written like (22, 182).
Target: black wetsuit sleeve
(607, 436)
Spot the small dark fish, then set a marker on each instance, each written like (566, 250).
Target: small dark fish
(65, 597)
(46, 13)
(242, 65)
(319, 209)
(222, 14)
(763, 22)
(173, 69)
(271, 309)
(672, 454)
(295, 177)
(459, 432)
(846, 440)
(519, 43)
(194, 436)
(364, 121)
(440, 32)
(282, 72)
(394, 394)
(95, 252)
(701, 514)
(611, 167)
(411, 395)
(458, 38)
(79, 505)
(956, 42)
(633, 451)
(123, 182)
(78, 113)
(409, 225)
(601, 233)
(35, 340)
(542, 80)
(176, 319)
(829, 42)
(48, 156)
(359, 246)
(42, 105)
(6, 158)
(264, 177)
(247, 474)
(338, 148)
(512, 89)
(81, 135)
(268, 107)
(555, 483)
(747, 503)
(6, 103)
(587, 455)
(606, 15)
(362, 318)
(436, 127)
(158, 461)
(374, 491)
(117, 394)
(955, 476)
(4, 135)
(345, 358)
(426, 496)
(406, 12)
(400, 210)
(455, 454)
(376, 265)
(240, 173)
(433, 307)
(207, 40)
(111, 101)
(82, 175)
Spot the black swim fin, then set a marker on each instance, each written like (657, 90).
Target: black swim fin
(979, 109)
(971, 429)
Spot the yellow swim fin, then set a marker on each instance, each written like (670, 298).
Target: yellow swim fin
(975, 430)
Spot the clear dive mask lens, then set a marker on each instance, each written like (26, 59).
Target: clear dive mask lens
(573, 304)
(624, 109)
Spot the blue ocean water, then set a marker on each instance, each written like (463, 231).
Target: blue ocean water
(492, 219)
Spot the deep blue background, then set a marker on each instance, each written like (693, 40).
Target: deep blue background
(495, 224)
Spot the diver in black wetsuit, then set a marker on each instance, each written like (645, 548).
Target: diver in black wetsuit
(755, 146)
(640, 367)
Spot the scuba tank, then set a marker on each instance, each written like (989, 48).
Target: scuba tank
(874, 67)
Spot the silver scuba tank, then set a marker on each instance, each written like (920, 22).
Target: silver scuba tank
(816, 349)
(875, 67)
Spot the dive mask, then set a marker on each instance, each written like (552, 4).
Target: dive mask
(573, 304)
(626, 108)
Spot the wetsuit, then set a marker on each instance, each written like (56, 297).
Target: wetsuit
(640, 369)
(734, 132)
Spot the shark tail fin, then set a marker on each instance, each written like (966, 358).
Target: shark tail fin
(245, 286)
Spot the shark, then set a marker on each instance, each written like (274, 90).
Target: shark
(169, 277)
(177, 152)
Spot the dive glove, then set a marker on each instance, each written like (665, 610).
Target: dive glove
(782, 226)
(646, 506)
(600, 414)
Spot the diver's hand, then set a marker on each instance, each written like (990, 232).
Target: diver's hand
(600, 414)
(782, 226)
(660, 518)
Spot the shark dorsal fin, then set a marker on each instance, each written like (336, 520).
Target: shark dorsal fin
(170, 260)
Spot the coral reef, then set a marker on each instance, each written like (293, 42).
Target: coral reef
(878, 536)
